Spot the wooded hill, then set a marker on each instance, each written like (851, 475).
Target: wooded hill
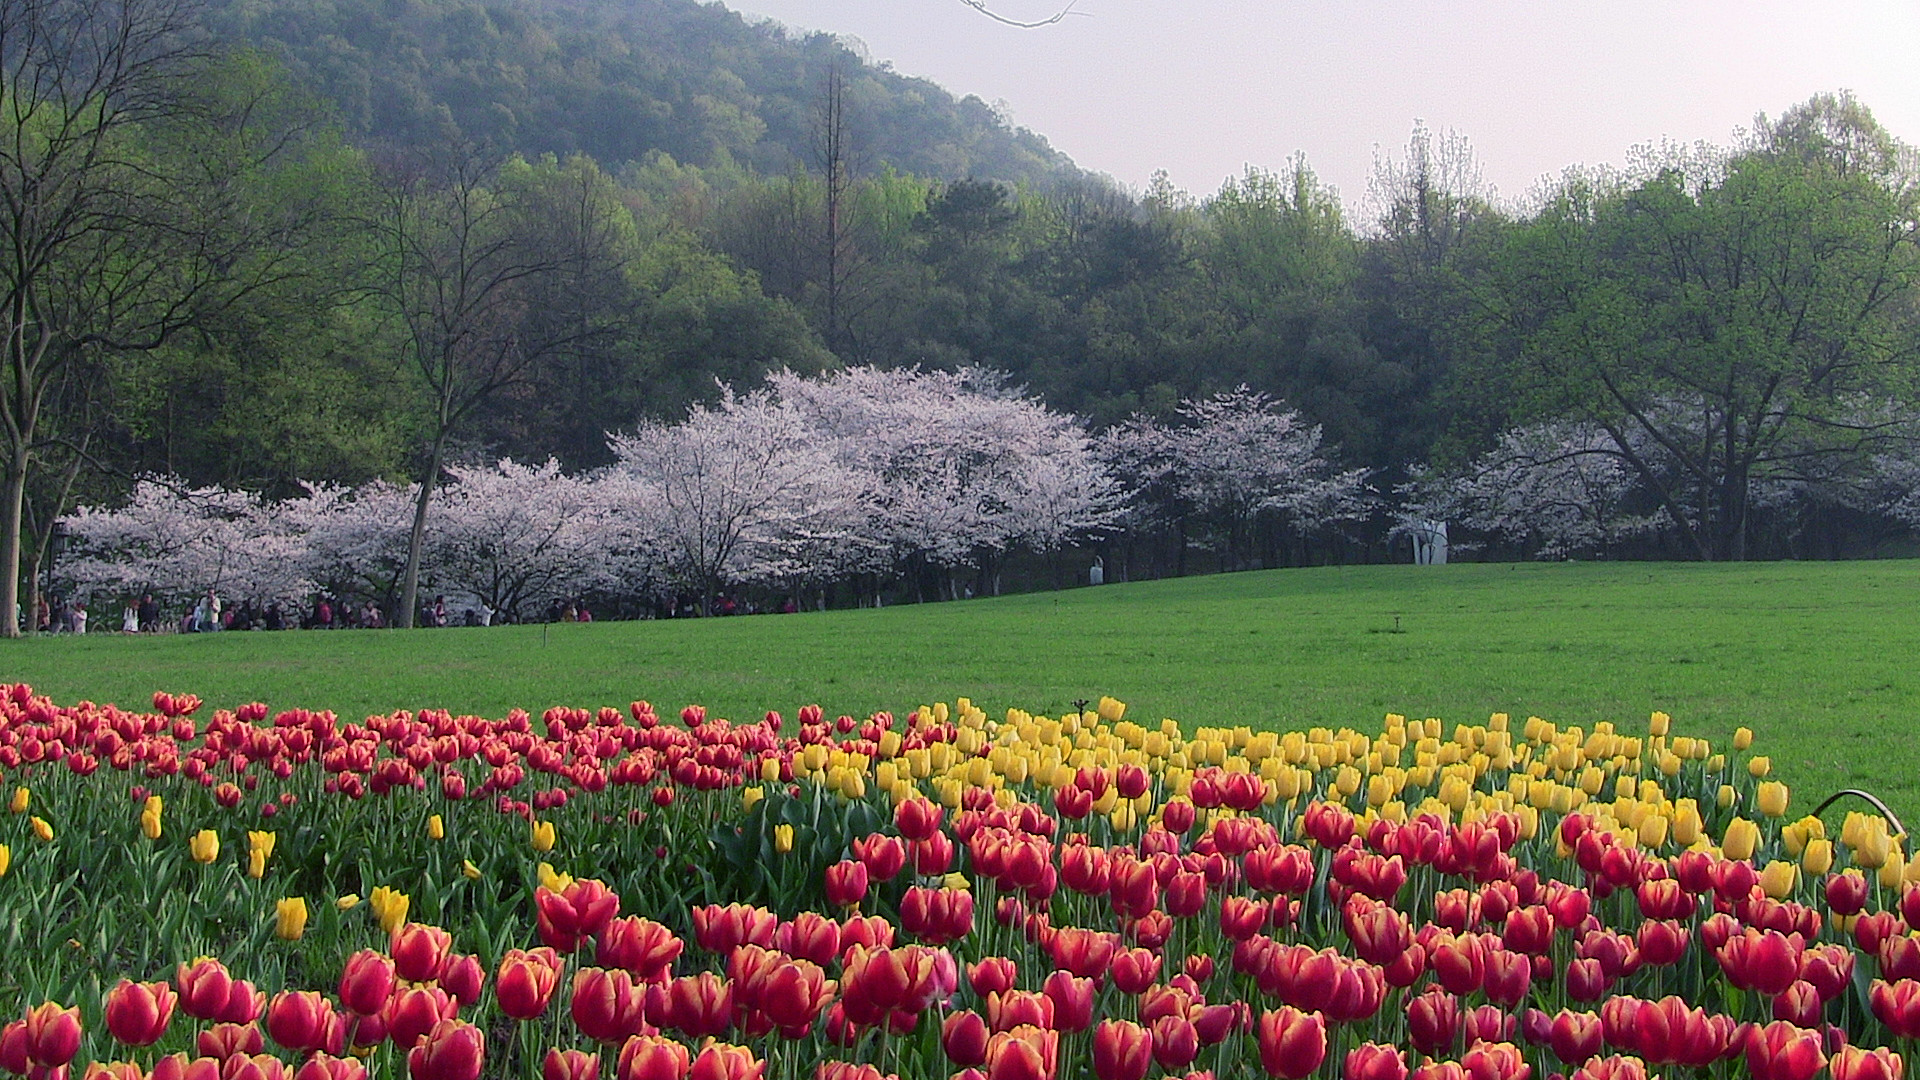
(620, 80)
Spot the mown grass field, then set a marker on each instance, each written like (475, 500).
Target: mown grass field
(1819, 658)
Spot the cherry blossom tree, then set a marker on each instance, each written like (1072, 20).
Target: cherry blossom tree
(1561, 488)
(180, 541)
(964, 467)
(508, 533)
(355, 538)
(736, 491)
(1229, 462)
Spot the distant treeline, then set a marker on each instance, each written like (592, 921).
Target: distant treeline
(247, 286)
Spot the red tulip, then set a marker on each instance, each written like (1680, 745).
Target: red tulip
(1292, 1043)
(1019, 1008)
(327, 1067)
(451, 1050)
(1897, 1004)
(883, 856)
(1176, 1042)
(1122, 1050)
(227, 1040)
(810, 936)
(722, 929)
(1587, 980)
(1799, 1005)
(205, 988)
(366, 982)
(1025, 1053)
(1072, 1001)
(569, 1065)
(1433, 1022)
(1846, 893)
(1374, 1061)
(992, 975)
(1856, 1063)
(1764, 960)
(419, 951)
(1495, 1061)
(963, 1036)
(1135, 969)
(846, 883)
(918, 818)
(300, 1019)
(1574, 1036)
(1459, 963)
(606, 1006)
(52, 1034)
(697, 1005)
(464, 978)
(720, 1061)
(1661, 942)
(412, 1014)
(526, 982)
(1612, 1068)
(642, 947)
(1782, 1051)
(137, 1014)
(253, 1067)
(565, 919)
(650, 1057)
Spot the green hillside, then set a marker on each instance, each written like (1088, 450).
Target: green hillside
(1816, 657)
(619, 80)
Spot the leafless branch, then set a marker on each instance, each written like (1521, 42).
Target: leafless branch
(981, 7)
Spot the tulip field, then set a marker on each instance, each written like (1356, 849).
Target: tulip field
(663, 893)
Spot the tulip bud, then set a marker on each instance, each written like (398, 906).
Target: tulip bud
(137, 1014)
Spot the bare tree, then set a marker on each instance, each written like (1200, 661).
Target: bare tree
(469, 280)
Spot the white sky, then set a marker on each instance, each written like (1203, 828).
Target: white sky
(1204, 88)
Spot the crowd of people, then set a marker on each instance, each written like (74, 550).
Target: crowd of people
(209, 614)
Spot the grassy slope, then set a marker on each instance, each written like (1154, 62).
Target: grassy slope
(1817, 657)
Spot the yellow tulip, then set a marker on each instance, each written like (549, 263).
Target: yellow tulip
(471, 871)
(436, 828)
(290, 918)
(22, 798)
(542, 836)
(958, 882)
(551, 881)
(40, 828)
(1742, 738)
(389, 907)
(783, 838)
(1724, 798)
(770, 770)
(1818, 858)
(1772, 798)
(150, 824)
(1659, 724)
(1759, 767)
(348, 902)
(6, 859)
(1779, 878)
(1741, 838)
(751, 796)
(1653, 831)
(1893, 871)
(204, 846)
(259, 850)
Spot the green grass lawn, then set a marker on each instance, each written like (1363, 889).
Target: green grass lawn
(1819, 658)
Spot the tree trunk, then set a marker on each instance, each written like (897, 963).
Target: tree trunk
(410, 581)
(12, 501)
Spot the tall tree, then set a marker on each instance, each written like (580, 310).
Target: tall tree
(129, 203)
(1731, 319)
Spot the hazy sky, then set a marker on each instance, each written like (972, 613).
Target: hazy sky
(1204, 88)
